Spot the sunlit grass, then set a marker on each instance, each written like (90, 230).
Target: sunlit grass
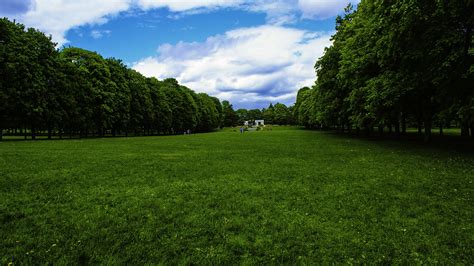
(280, 196)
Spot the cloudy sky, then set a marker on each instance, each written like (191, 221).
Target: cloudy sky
(251, 52)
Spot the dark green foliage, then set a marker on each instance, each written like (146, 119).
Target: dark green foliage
(210, 117)
(268, 114)
(162, 113)
(394, 63)
(284, 197)
(243, 115)
(249, 115)
(281, 115)
(26, 73)
(230, 116)
(254, 114)
(182, 104)
(78, 92)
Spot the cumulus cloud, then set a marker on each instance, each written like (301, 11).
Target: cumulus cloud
(186, 5)
(278, 12)
(57, 17)
(249, 66)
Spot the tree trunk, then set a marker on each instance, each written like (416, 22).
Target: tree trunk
(397, 130)
(381, 131)
(441, 130)
(33, 133)
(367, 131)
(464, 130)
(404, 125)
(427, 137)
(427, 120)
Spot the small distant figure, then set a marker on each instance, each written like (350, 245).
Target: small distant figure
(188, 131)
(241, 130)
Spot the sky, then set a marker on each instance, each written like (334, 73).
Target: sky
(250, 52)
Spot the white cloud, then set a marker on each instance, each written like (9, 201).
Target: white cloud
(97, 34)
(57, 17)
(247, 66)
(186, 5)
(278, 12)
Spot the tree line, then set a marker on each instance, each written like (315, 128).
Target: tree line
(278, 114)
(395, 64)
(79, 93)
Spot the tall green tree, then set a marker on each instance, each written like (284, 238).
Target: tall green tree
(162, 112)
(282, 115)
(210, 115)
(75, 91)
(229, 115)
(269, 114)
(254, 114)
(26, 70)
(243, 115)
(392, 63)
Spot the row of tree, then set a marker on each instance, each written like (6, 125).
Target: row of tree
(278, 114)
(78, 92)
(393, 64)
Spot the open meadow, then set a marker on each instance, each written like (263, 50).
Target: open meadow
(286, 196)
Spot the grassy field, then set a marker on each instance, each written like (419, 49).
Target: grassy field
(283, 196)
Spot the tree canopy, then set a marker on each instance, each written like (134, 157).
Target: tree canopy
(78, 92)
(395, 63)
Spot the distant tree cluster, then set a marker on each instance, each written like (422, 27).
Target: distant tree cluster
(395, 64)
(278, 114)
(78, 92)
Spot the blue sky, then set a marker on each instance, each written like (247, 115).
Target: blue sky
(249, 52)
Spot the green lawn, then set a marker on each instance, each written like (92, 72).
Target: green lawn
(283, 196)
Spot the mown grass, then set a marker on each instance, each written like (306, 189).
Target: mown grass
(283, 196)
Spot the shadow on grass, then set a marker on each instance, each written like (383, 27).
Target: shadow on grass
(413, 141)
(9, 138)
(56, 138)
